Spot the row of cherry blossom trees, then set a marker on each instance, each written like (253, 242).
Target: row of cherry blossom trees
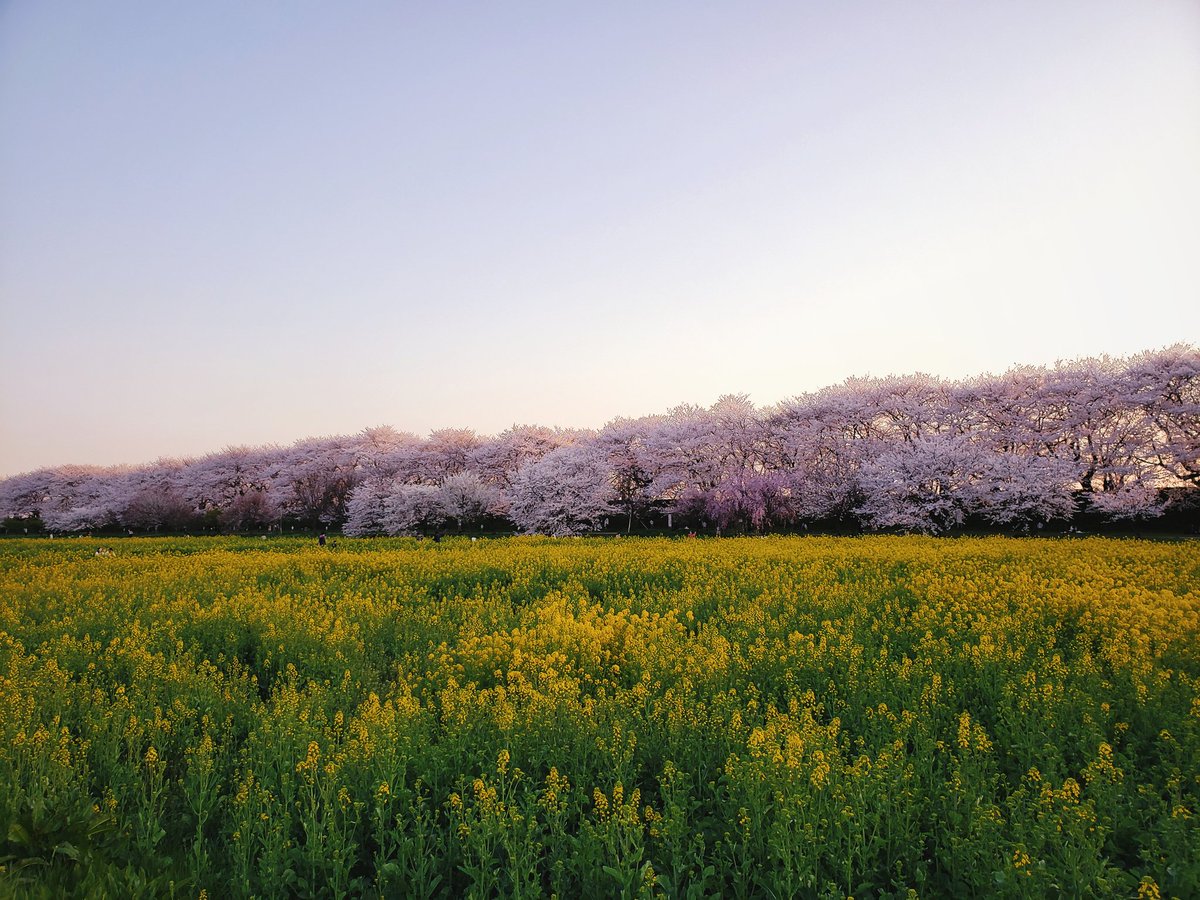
(1112, 438)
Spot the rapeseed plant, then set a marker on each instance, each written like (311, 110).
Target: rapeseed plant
(779, 716)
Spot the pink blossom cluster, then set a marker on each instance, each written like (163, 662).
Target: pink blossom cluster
(915, 452)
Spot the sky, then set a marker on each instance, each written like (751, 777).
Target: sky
(229, 223)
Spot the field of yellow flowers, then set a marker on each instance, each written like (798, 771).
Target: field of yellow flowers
(774, 717)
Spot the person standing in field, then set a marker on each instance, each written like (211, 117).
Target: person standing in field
(321, 539)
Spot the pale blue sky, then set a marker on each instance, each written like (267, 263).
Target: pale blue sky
(241, 222)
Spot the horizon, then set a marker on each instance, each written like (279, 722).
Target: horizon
(489, 435)
(230, 226)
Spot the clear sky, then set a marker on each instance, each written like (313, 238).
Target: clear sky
(230, 222)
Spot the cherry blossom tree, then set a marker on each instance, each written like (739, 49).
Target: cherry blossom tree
(692, 451)
(1005, 411)
(1129, 500)
(935, 482)
(80, 498)
(154, 507)
(634, 466)
(744, 500)
(24, 496)
(366, 509)
(679, 446)
(1082, 414)
(315, 478)
(822, 441)
(372, 445)
(1022, 490)
(466, 500)
(1098, 427)
(251, 511)
(567, 492)
(413, 509)
(926, 484)
(383, 505)
(901, 408)
(149, 498)
(500, 459)
(1165, 386)
(214, 481)
(447, 452)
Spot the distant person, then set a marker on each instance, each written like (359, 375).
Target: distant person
(321, 539)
